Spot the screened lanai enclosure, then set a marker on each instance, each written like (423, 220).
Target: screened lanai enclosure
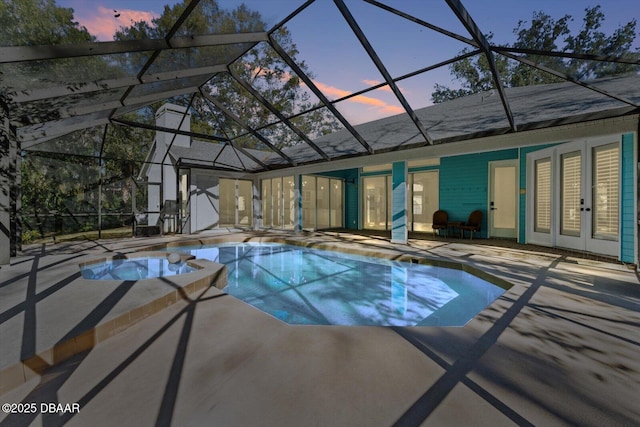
(217, 119)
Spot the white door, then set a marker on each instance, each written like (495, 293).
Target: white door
(580, 208)
(503, 197)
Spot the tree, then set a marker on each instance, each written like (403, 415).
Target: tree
(61, 177)
(549, 34)
(261, 67)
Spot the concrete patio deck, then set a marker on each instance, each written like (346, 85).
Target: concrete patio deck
(561, 347)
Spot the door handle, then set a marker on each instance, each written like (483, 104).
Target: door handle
(588, 209)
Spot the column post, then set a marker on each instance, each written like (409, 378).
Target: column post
(399, 229)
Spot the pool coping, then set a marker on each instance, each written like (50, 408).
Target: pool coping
(208, 274)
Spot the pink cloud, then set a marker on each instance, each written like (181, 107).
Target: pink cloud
(103, 23)
(377, 107)
(378, 104)
(384, 88)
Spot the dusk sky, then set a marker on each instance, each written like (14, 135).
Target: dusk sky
(337, 60)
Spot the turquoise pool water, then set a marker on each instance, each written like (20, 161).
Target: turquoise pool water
(315, 287)
(134, 269)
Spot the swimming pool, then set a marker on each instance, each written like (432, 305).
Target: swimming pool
(300, 285)
(134, 269)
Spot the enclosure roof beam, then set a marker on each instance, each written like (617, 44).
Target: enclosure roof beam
(277, 113)
(245, 126)
(102, 85)
(573, 55)
(353, 24)
(307, 81)
(168, 130)
(209, 99)
(37, 133)
(568, 78)
(74, 50)
(423, 23)
(466, 19)
(66, 113)
(172, 31)
(40, 135)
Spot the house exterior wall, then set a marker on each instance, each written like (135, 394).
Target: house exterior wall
(205, 201)
(162, 174)
(463, 177)
(464, 184)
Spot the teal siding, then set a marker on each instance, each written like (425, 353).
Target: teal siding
(464, 183)
(523, 188)
(399, 202)
(628, 215)
(350, 177)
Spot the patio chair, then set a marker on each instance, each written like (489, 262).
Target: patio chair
(473, 224)
(440, 222)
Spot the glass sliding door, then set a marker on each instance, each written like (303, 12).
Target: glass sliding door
(236, 205)
(184, 197)
(424, 198)
(277, 202)
(245, 203)
(227, 202)
(322, 204)
(289, 200)
(375, 202)
(308, 202)
(336, 196)
(266, 204)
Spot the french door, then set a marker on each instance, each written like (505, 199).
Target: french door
(576, 196)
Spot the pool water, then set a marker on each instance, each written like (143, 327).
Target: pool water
(134, 269)
(300, 285)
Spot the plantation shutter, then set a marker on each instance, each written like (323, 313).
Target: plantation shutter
(542, 204)
(606, 171)
(571, 194)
